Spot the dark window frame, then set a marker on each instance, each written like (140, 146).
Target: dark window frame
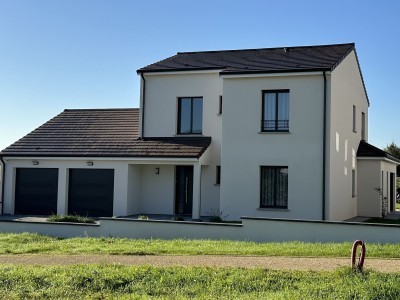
(275, 192)
(220, 105)
(218, 175)
(191, 116)
(276, 92)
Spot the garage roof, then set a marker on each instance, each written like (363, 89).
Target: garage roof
(368, 150)
(102, 133)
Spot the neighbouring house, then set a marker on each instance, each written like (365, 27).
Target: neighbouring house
(276, 132)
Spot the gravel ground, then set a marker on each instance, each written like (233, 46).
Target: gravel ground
(270, 262)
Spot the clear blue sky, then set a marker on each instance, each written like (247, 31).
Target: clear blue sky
(84, 54)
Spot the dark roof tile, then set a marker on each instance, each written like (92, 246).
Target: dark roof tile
(266, 60)
(101, 133)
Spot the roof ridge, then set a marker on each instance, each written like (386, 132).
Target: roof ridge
(273, 48)
(100, 109)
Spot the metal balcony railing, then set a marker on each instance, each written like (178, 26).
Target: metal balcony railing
(275, 125)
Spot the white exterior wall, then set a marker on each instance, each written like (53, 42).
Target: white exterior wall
(120, 180)
(369, 177)
(137, 189)
(161, 116)
(245, 149)
(346, 90)
(134, 189)
(158, 190)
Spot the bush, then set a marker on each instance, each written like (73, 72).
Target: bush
(71, 218)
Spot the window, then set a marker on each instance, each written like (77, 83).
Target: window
(275, 111)
(274, 187)
(353, 183)
(363, 126)
(220, 105)
(218, 175)
(190, 115)
(354, 119)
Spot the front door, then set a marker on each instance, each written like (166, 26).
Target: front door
(184, 190)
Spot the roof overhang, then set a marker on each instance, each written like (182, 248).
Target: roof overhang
(275, 74)
(394, 161)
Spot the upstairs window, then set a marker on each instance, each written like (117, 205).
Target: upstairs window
(218, 175)
(274, 187)
(190, 115)
(220, 105)
(354, 118)
(363, 126)
(275, 111)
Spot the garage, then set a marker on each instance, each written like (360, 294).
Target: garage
(36, 191)
(91, 192)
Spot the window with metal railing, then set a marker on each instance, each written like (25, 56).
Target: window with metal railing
(275, 110)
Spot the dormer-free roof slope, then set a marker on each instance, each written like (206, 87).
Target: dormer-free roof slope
(267, 60)
(101, 133)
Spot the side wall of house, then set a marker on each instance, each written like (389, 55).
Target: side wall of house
(369, 177)
(161, 117)
(245, 149)
(346, 91)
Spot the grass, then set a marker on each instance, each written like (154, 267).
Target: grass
(397, 206)
(27, 243)
(70, 218)
(128, 282)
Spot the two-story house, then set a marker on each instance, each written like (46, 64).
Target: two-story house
(276, 132)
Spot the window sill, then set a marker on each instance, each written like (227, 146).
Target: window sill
(188, 134)
(273, 209)
(274, 132)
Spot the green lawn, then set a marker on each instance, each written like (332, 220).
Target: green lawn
(127, 282)
(33, 243)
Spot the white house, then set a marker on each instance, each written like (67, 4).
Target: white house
(277, 132)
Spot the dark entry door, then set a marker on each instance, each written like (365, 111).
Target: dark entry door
(36, 191)
(184, 190)
(91, 192)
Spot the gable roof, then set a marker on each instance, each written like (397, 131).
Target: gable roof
(266, 60)
(101, 133)
(368, 150)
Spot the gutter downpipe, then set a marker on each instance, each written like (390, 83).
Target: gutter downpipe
(324, 154)
(3, 168)
(143, 103)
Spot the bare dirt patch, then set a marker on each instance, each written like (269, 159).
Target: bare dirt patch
(275, 263)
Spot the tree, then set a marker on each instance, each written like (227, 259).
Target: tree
(393, 149)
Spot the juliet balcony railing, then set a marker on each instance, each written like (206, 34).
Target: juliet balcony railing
(275, 125)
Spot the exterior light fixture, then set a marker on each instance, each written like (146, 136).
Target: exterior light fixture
(89, 163)
(157, 171)
(35, 162)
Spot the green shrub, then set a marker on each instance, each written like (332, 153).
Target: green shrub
(70, 218)
(143, 217)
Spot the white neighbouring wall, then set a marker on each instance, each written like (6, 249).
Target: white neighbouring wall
(245, 149)
(346, 90)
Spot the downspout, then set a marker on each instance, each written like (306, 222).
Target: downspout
(143, 103)
(3, 169)
(324, 154)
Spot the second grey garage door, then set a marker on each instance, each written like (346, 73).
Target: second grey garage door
(91, 192)
(36, 191)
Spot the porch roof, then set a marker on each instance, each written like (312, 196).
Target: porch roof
(101, 133)
(367, 150)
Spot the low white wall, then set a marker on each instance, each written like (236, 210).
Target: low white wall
(251, 229)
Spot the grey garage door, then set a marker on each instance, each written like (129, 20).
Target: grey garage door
(36, 191)
(91, 192)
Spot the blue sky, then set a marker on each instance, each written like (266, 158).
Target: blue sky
(85, 53)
